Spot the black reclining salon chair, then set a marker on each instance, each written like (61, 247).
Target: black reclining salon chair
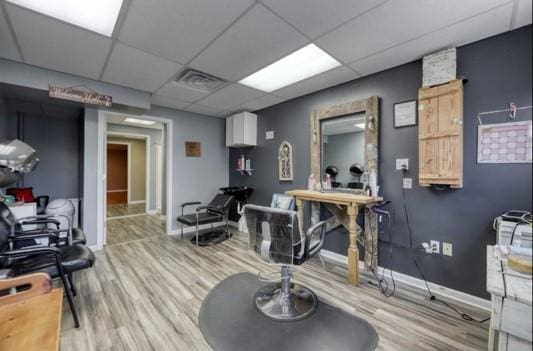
(274, 234)
(60, 261)
(216, 211)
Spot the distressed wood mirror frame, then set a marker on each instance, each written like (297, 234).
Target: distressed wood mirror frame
(370, 107)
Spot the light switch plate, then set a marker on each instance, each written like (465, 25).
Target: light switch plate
(407, 183)
(435, 246)
(400, 162)
(447, 249)
(269, 135)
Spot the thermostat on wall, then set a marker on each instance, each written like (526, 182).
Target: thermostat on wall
(269, 135)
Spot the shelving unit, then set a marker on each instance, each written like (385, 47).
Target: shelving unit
(245, 171)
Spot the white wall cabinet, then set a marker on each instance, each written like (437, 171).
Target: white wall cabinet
(241, 130)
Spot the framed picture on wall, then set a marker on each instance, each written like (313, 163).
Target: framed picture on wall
(405, 114)
(285, 161)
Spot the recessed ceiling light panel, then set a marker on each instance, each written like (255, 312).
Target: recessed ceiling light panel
(301, 64)
(139, 121)
(99, 16)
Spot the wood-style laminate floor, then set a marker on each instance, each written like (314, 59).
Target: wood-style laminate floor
(126, 229)
(146, 294)
(120, 210)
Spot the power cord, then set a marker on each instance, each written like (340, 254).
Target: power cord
(465, 316)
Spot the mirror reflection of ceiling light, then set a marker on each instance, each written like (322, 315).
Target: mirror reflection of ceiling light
(360, 125)
(99, 16)
(139, 121)
(301, 64)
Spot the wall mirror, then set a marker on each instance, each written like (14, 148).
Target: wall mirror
(344, 144)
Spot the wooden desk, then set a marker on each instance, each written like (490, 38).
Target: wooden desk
(511, 296)
(31, 323)
(345, 208)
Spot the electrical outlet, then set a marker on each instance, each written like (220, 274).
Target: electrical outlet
(402, 163)
(435, 246)
(447, 249)
(269, 135)
(407, 183)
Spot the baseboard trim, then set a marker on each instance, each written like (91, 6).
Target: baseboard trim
(136, 202)
(416, 283)
(95, 247)
(152, 212)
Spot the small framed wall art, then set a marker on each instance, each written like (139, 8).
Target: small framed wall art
(405, 114)
(193, 149)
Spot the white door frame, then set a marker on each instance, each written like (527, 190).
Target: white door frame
(168, 136)
(146, 139)
(128, 165)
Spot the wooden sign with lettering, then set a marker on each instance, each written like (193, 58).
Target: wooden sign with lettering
(193, 149)
(86, 97)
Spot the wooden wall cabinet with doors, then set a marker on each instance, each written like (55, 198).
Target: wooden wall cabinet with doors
(440, 135)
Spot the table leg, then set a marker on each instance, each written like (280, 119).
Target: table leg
(300, 207)
(353, 251)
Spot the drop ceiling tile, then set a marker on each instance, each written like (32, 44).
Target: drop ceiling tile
(256, 40)
(396, 22)
(523, 13)
(473, 29)
(137, 69)
(49, 43)
(230, 96)
(322, 81)
(178, 29)
(8, 48)
(315, 17)
(167, 102)
(175, 90)
(261, 103)
(204, 110)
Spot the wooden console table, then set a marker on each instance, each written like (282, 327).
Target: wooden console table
(31, 319)
(345, 207)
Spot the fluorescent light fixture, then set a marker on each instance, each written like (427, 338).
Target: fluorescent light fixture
(99, 16)
(360, 125)
(139, 121)
(301, 64)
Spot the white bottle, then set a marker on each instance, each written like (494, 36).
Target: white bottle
(311, 182)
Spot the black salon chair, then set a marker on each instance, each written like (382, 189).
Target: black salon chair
(44, 224)
(215, 211)
(60, 261)
(275, 236)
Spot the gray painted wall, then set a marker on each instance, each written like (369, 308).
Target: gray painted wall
(343, 150)
(156, 137)
(21, 74)
(3, 119)
(196, 178)
(499, 70)
(90, 175)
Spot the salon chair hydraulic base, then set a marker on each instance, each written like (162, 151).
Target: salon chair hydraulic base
(211, 238)
(285, 301)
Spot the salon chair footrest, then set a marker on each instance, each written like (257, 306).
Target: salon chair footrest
(211, 238)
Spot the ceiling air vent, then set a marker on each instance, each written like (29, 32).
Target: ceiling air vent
(199, 81)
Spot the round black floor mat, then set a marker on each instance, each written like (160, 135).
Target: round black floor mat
(230, 322)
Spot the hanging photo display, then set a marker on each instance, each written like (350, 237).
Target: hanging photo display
(505, 143)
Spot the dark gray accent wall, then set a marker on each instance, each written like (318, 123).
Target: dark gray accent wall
(498, 70)
(54, 132)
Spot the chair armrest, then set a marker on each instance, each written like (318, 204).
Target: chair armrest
(43, 221)
(212, 208)
(50, 236)
(321, 226)
(32, 251)
(191, 203)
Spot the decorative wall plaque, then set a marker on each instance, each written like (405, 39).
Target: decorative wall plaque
(285, 161)
(83, 96)
(193, 149)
